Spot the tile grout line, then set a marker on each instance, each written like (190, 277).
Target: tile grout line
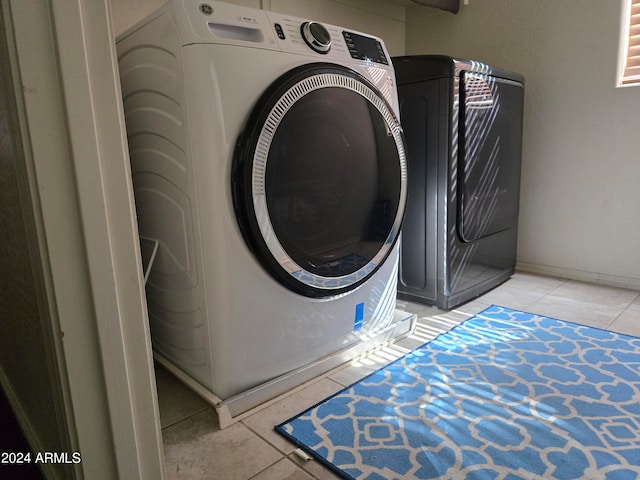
(189, 415)
(287, 459)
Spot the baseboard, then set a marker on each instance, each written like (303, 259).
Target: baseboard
(580, 275)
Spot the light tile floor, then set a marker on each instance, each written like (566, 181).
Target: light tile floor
(195, 448)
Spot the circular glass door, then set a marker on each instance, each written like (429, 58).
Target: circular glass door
(319, 180)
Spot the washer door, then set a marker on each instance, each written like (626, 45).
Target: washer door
(319, 180)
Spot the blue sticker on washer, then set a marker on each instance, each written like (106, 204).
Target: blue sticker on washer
(357, 322)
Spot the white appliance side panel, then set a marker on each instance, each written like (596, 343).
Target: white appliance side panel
(152, 79)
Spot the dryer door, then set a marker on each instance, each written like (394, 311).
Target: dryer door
(490, 146)
(319, 180)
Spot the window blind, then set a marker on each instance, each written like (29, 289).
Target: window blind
(631, 73)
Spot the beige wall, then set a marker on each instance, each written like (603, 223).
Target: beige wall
(580, 203)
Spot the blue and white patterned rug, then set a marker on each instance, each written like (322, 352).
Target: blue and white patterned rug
(505, 395)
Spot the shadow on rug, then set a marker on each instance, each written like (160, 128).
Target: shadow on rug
(504, 395)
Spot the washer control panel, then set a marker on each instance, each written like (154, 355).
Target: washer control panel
(362, 47)
(323, 39)
(316, 36)
(212, 21)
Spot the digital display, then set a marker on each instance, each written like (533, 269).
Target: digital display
(365, 48)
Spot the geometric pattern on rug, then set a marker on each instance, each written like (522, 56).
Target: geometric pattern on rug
(505, 395)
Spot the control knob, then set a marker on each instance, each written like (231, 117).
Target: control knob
(316, 36)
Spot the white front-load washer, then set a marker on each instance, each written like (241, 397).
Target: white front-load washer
(269, 167)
